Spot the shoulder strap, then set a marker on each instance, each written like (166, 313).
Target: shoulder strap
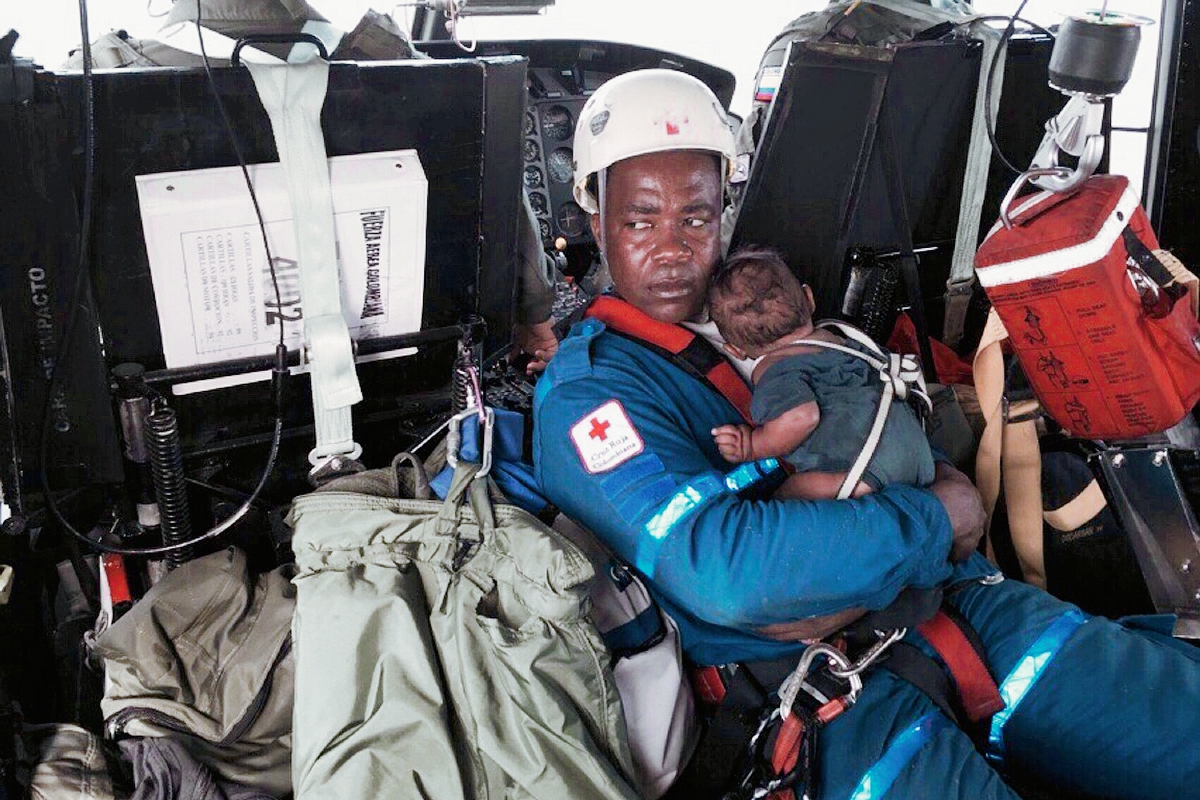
(690, 352)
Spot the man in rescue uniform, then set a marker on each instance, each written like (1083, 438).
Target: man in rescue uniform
(623, 444)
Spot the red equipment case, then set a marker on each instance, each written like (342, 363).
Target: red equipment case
(1090, 312)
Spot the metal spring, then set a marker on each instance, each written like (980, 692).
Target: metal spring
(461, 380)
(170, 488)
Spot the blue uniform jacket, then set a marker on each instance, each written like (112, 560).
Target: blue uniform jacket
(622, 444)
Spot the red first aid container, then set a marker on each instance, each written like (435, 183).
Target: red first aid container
(1109, 352)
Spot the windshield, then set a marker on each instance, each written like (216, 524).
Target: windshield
(728, 33)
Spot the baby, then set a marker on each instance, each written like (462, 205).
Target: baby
(812, 407)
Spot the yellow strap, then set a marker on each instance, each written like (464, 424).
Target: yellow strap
(1081, 509)
(1183, 276)
(1008, 453)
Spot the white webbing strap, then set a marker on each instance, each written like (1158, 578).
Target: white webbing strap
(974, 191)
(293, 95)
(901, 376)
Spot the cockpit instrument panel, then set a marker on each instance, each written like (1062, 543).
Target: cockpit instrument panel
(561, 77)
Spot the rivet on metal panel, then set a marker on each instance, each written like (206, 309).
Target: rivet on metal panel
(1160, 458)
(1118, 460)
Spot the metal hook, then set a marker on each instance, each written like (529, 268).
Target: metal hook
(454, 438)
(1027, 175)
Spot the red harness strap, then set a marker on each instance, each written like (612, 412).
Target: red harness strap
(976, 688)
(692, 353)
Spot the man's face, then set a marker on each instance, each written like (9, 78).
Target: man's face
(662, 231)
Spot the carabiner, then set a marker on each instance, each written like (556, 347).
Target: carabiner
(454, 438)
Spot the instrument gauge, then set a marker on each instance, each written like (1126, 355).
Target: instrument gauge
(533, 177)
(560, 164)
(570, 218)
(557, 124)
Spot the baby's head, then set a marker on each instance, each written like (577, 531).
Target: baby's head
(756, 301)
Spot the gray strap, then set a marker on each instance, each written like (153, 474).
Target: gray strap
(293, 95)
(979, 159)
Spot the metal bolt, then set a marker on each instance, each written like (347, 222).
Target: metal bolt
(335, 464)
(1160, 458)
(1186, 566)
(1118, 460)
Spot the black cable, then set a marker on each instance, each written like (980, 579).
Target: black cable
(277, 374)
(74, 300)
(237, 151)
(225, 491)
(989, 120)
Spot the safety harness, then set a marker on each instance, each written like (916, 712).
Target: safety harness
(901, 376)
(765, 716)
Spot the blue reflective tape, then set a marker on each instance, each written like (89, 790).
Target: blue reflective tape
(900, 752)
(749, 474)
(679, 507)
(1027, 672)
(637, 503)
(639, 467)
(635, 634)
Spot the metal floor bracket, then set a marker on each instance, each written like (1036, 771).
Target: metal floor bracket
(1154, 510)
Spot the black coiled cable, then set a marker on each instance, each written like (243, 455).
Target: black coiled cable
(460, 386)
(877, 315)
(170, 484)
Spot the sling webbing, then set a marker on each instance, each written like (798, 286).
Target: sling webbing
(975, 179)
(690, 352)
(900, 376)
(977, 691)
(293, 95)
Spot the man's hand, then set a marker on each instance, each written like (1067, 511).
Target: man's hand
(963, 506)
(736, 442)
(537, 341)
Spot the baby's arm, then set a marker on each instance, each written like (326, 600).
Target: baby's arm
(775, 438)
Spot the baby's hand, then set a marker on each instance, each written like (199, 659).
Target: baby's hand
(735, 442)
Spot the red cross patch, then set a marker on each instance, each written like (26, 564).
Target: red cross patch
(605, 438)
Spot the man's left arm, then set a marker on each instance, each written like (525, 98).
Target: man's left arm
(728, 560)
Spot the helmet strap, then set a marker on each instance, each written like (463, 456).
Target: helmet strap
(602, 201)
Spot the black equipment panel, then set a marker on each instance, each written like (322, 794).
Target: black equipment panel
(562, 74)
(462, 116)
(818, 189)
(1176, 182)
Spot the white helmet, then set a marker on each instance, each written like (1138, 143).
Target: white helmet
(647, 111)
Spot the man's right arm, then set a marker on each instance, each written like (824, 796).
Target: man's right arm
(733, 562)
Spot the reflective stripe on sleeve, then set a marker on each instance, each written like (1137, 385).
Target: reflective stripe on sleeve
(686, 500)
(1027, 672)
(900, 752)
